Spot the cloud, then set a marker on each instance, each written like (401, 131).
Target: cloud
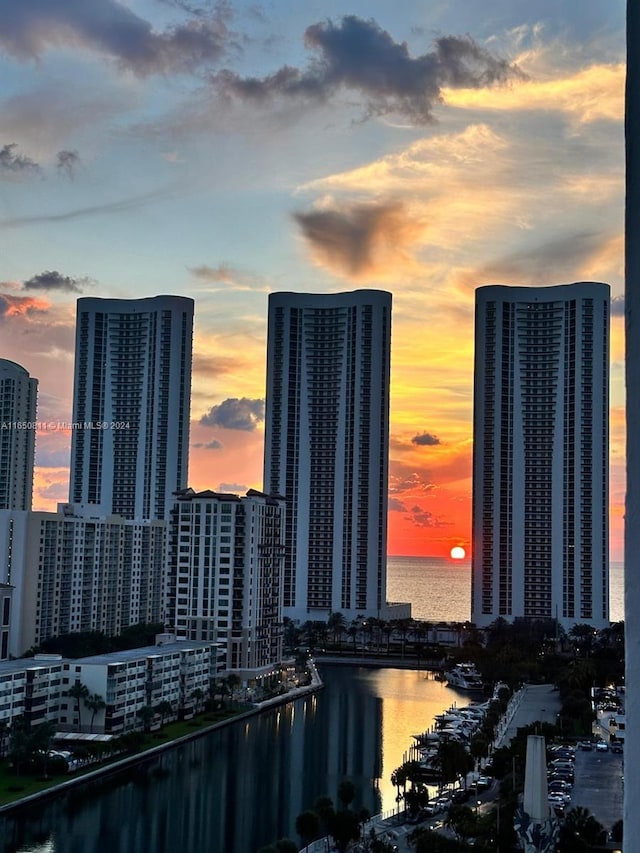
(425, 440)
(16, 164)
(402, 479)
(590, 94)
(68, 162)
(232, 488)
(541, 264)
(114, 31)
(214, 444)
(53, 280)
(423, 518)
(217, 365)
(20, 306)
(54, 491)
(227, 275)
(117, 206)
(617, 306)
(51, 458)
(234, 413)
(359, 56)
(359, 239)
(396, 506)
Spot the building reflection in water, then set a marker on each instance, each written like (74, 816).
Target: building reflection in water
(242, 787)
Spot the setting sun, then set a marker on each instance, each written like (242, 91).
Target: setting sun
(458, 553)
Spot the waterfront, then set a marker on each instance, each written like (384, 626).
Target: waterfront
(242, 786)
(439, 588)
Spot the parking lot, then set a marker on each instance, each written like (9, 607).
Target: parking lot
(598, 785)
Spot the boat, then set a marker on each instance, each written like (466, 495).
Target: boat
(464, 676)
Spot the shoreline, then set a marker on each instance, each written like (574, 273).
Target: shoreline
(379, 663)
(153, 752)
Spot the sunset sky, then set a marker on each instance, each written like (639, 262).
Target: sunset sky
(227, 150)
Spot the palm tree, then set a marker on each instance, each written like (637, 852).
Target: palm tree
(78, 691)
(146, 714)
(337, 623)
(163, 709)
(197, 695)
(94, 703)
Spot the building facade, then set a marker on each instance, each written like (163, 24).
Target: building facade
(541, 447)
(131, 404)
(18, 400)
(225, 576)
(174, 673)
(171, 678)
(327, 447)
(72, 572)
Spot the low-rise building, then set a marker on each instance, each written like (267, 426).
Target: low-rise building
(171, 679)
(167, 680)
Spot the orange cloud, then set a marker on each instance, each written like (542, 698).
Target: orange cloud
(21, 306)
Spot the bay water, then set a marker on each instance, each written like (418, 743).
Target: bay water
(439, 588)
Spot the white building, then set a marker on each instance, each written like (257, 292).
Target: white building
(31, 688)
(18, 398)
(169, 673)
(225, 576)
(131, 403)
(327, 447)
(541, 445)
(175, 673)
(74, 572)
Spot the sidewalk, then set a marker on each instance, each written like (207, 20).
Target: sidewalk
(533, 703)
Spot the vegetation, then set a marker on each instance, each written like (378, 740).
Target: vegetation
(86, 643)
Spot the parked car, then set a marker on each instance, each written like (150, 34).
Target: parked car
(585, 745)
(602, 746)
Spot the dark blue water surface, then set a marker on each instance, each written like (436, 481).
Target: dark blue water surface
(241, 787)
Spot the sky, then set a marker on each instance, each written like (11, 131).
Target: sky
(227, 150)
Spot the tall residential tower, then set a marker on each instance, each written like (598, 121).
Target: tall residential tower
(131, 403)
(541, 446)
(327, 447)
(18, 392)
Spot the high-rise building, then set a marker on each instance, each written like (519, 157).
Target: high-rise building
(541, 446)
(327, 447)
(225, 576)
(73, 571)
(18, 392)
(131, 404)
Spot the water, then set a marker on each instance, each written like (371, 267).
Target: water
(439, 589)
(242, 787)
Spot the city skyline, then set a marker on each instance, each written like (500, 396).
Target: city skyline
(226, 151)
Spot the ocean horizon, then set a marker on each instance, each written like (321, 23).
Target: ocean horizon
(439, 589)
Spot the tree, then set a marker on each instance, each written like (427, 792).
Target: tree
(79, 692)
(336, 623)
(163, 709)
(146, 714)
(94, 703)
(344, 826)
(346, 793)
(453, 760)
(581, 831)
(307, 826)
(197, 695)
